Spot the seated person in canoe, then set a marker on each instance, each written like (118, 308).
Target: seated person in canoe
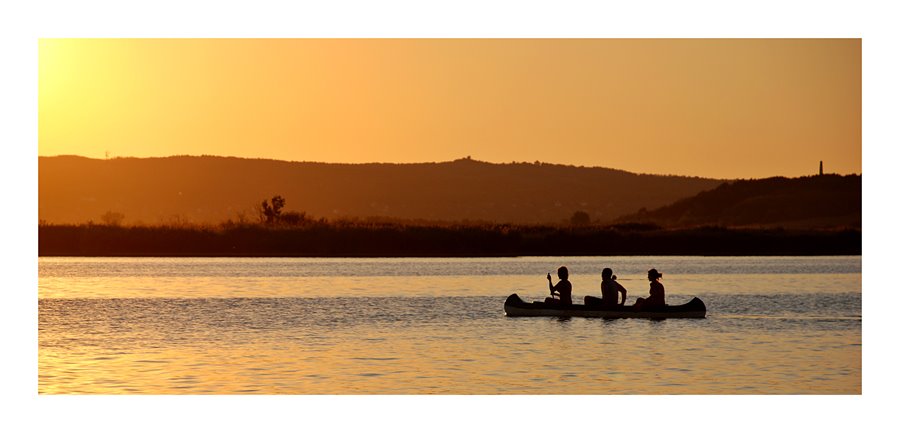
(609, 290)
(563, 288)
(657, 292)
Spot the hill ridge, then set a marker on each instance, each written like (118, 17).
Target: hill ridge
(820, 201)
(210, 189)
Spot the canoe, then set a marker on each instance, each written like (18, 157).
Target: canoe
(516, 307)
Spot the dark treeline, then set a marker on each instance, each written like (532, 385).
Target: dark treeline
(335, 239)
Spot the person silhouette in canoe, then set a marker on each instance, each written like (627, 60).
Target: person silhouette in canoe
(563, 288)
(657, 292)
(609, 291)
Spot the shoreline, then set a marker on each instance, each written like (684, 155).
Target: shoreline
(367, 241)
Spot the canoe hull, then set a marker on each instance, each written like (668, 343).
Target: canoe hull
(516, 307)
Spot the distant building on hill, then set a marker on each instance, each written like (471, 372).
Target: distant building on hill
(820, 168)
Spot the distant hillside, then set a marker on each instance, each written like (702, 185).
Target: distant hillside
(213, 189)
(806, 202)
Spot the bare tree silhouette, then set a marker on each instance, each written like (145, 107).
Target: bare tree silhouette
(270, 213)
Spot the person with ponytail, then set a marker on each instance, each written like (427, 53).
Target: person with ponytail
(657, 296)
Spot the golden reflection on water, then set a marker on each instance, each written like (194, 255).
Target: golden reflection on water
(449, 337)
(498, 356)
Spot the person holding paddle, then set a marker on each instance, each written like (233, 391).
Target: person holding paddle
(563, 288)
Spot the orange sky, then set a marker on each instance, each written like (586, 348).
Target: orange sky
(721, 108)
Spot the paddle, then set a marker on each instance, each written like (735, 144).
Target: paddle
(550, 280)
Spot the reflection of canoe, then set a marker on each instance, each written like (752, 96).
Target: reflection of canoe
(516, 307)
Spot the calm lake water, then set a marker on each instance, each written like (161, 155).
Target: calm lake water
(775, 325)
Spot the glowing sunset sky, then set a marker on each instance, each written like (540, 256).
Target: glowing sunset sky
(700, 107)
